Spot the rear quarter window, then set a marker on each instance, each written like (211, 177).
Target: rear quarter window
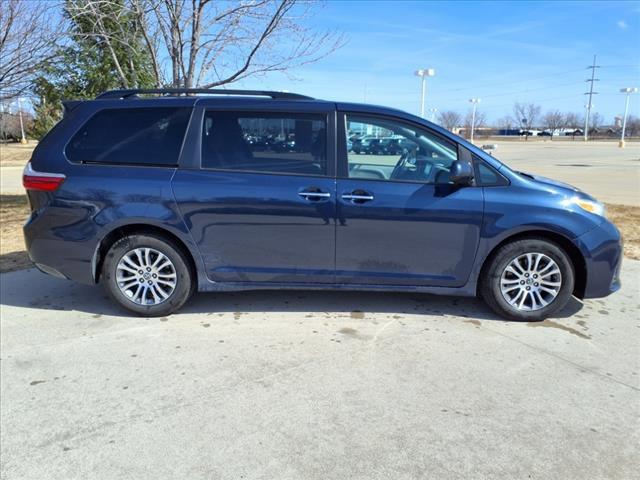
(131, 136)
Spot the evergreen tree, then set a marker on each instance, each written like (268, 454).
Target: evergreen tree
(87, 66)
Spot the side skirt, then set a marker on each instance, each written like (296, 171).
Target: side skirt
(469, 290)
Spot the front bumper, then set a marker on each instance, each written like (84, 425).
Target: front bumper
(603, 251)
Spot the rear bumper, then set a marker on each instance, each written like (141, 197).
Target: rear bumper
(61, 248)
(603, 252)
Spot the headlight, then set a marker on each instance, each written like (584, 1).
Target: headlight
(596, 208)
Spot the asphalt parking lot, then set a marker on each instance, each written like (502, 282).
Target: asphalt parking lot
(314, 385)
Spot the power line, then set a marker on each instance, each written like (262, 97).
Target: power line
(493, 84)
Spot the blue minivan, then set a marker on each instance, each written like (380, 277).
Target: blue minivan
(159, 193)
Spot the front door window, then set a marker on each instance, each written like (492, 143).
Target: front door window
(384, 149)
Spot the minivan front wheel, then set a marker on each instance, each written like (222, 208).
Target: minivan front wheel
(147, 275)
(528, 280)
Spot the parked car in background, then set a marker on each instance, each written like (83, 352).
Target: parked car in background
(364, 144)
(577, 131)
(157, 197)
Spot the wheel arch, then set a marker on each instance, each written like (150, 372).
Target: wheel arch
(139, 228)
(576, 257)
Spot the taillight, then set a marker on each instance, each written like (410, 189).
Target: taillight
(42, 181)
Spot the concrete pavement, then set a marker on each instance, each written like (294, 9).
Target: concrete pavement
(315, 385)
(609, 173)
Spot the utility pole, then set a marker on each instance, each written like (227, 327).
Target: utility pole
(591, 93)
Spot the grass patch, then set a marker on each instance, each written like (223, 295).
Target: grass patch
(627, 219)
(16, 154)
(14, 210)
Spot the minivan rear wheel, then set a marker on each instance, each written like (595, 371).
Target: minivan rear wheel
(147, 274)
(527, 280)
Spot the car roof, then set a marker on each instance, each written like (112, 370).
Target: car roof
(227, 97)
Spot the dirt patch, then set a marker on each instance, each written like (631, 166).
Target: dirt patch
(15, 154)
(627, 219)
(14, 210)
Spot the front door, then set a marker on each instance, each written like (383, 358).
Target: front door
(400, 220)
(261, 207)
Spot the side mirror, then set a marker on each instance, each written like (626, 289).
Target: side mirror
(461, 172)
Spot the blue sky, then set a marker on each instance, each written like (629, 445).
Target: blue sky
(502, 52)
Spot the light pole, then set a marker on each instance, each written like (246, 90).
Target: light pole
(475, 102)
(22, 139)
(627, 91)
(424, 73)
(433, 112)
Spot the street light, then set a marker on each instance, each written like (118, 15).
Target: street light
(627, 91)
(433, 112)
(424, 73)
(475, 102)
(22, 139)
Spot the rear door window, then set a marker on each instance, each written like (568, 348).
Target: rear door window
(287, 143)
(131, 136)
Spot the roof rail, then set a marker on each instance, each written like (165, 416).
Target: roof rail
(124, 94)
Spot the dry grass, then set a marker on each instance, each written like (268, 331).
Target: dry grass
(16, 154)
(627, 219)
(14, 209)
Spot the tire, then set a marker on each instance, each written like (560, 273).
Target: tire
(497, 278)
(159, 298)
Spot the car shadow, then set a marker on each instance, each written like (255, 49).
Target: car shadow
(32, 289)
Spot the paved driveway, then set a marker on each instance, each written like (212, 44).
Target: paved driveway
(310, 385)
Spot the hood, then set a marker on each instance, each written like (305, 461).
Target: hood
(550, 181)
(569, 189)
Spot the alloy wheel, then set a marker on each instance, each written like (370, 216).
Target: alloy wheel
(531, 281)
(146, 276)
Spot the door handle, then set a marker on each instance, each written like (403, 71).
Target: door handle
(357, 196)
(313, 196)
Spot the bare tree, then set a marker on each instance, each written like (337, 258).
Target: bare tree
(10, 123)
(633, 126)
(449, 119)
(207, 43)
(526, 115)
(479, 122)
(506, 123)
(595, 121)
(554, 120)
(574, 121)
(27, 41)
